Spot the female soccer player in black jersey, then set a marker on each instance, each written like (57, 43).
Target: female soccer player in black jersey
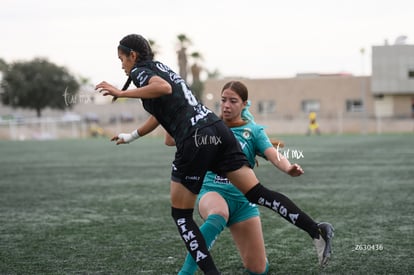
(204, 143)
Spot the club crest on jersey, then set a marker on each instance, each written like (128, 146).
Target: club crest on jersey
(247, 133)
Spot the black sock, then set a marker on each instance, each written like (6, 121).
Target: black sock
(193, 239)
(284, 207)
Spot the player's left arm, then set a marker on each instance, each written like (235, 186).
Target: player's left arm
(149, 125)
(169, 140)
(156, 87)
(279, 161)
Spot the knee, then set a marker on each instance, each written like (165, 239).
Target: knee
(221, 212)
(177, 213)
(258, 269)
(213, 203)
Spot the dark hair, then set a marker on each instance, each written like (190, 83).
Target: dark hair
(136, 43)
(237, 87)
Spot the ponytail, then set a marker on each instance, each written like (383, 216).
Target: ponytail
(126, 85)
(245, 114)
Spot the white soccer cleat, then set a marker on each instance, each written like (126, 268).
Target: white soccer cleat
(323, 244)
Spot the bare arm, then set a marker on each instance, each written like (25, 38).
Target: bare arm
(279, 161)
(156, 87)
(169, 140)
(149, 125)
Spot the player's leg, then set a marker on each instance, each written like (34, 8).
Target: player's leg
(248, 237)
(246, 181)
(244, 178)
(213, 209)
(192, 160)
(246, 229)
(182, 202)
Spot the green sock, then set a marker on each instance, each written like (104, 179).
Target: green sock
(210, 229)
(264, 273)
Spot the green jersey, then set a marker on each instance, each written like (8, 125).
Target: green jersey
(254, 141)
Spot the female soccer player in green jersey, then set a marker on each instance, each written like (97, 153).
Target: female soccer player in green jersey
(221, 204)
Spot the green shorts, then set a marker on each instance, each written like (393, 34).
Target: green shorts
(239, 211)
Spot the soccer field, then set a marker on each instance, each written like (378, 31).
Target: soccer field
(90, 207)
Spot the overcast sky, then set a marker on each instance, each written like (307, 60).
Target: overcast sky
(255, 39)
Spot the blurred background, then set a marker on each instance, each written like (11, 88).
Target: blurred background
(311, 68)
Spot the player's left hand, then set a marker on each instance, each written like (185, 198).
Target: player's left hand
(277, 143)
(295, 170)
(108, 89)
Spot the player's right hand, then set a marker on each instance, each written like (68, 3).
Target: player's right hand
(118, 140)
(125, 138)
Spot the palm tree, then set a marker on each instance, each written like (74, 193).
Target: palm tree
(196, 68)
(3, 65)
(184, 41)
(213, 74)
(197, 85)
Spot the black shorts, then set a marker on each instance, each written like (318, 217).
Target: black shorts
(211, 148)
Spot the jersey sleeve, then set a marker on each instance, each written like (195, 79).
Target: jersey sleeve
(141, 76)
(262, 140)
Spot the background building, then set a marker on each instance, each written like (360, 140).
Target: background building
(393, 80)
(383, 102)
(343, 103)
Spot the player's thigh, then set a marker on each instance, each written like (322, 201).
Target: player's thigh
(213, 203)
(243, 178)
(181, 197)
(248, 237)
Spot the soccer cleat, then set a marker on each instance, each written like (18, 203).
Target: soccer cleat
(323, 243)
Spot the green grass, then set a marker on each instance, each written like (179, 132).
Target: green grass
(90, 207)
